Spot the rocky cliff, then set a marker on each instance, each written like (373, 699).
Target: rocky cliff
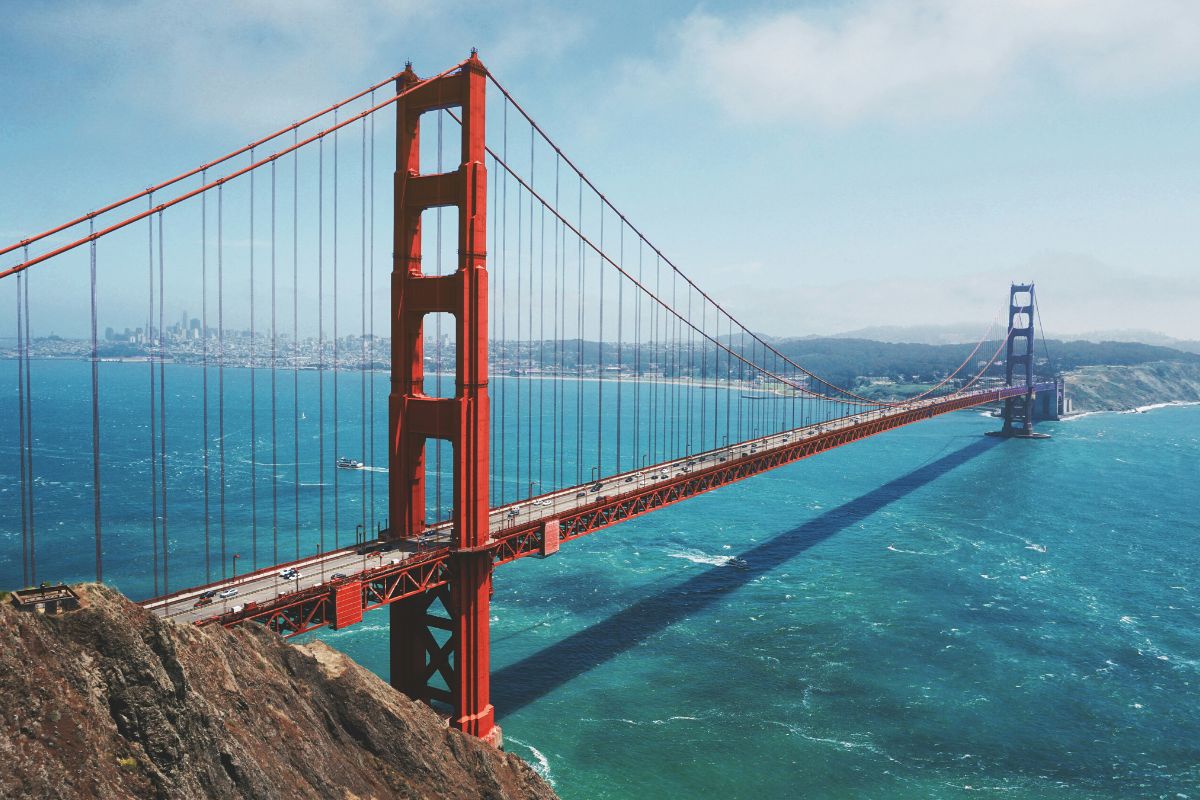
(110, 702)
(1108, 388)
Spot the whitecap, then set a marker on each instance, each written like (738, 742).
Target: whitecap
(542, 767)
(698, 557)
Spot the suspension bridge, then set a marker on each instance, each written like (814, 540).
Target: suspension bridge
(551, 373)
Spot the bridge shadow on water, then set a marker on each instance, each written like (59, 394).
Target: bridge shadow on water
(535, 676)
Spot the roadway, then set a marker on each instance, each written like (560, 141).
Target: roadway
(267, 584)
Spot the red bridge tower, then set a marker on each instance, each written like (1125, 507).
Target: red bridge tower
(418, 657)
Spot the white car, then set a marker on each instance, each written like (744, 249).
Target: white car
(225, 594)
(290, 574)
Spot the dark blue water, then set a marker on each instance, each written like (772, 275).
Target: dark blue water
(930, 613)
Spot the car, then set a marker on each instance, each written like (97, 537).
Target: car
(580, 494)
(225, 594)
(337, 576)
(202, 601)
(370, 547)
(208, 595)
(287, 573)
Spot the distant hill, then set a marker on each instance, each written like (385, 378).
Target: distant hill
(962, 333)
(957, 333)
(841, 360)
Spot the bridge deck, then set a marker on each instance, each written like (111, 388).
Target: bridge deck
(295, 605)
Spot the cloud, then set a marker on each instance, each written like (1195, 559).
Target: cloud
(915, 59)
(231, 65)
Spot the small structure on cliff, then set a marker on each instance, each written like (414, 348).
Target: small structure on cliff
(46, 599)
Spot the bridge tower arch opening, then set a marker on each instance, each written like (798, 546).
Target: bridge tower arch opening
(435, 658)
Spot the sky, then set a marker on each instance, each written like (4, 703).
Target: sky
(817, 166)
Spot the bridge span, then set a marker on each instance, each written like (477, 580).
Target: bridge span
(335, 588)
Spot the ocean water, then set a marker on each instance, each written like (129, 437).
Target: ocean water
(927, 614)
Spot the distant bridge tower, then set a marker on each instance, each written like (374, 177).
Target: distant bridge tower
(1019, 411)
(436, 657)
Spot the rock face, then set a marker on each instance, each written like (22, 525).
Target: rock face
(111, 702)
(1108, 388)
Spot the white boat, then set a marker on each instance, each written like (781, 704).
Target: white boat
(349, 463)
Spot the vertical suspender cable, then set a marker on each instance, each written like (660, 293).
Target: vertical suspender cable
(162, 407)
(437, 443)
(493, 384)
(703, 421)
(204, 368)
(517, 349)
(21, 433)
(502, 385)
(29, 433)
(494, 355)
(637, 363)
(362, 337)
(321, 342)
(221, 362)
(529, 339)
(274, 397)
(620, 334)
(372, 314)
(580, 318)
(600, 358)
(253, 397)
(296, 338)
(529, 372)
(153, 416)
(336, 472)
(557, 410)
(95, 417)
(542, 353)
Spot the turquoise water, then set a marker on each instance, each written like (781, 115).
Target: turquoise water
(927, 614)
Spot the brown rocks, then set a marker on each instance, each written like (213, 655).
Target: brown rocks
(111, 702)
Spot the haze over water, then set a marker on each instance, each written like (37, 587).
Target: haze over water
(929, 613)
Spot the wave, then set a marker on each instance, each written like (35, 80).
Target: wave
(1169, 404)
(698, 557)
(542, 767)
(1137, 410)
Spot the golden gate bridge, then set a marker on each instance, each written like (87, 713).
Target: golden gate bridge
(538, 339)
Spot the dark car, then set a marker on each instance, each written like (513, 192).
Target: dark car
(372, 547)
(210, 594)
(203, 600)
(337, 576)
